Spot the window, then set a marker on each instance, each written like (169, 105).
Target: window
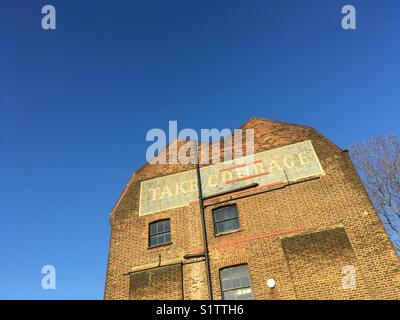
(226, 219)
(235, 283)
(160, 233)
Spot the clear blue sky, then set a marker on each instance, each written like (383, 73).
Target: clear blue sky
(76, 104)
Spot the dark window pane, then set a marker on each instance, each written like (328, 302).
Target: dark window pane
(236, 283)
(160, 239)
(227, 226)
(225, 213)
(160, 232)
(220, 227)
(227, 284)
(229, 295)
(167, 226)
(231, 212)
(153, 228)
(245, 282)
(218, 215)
(153, 240)
(235, 224)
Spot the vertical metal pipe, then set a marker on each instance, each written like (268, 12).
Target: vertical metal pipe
(203, 222)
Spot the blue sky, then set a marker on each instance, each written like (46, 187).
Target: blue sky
(76, 104)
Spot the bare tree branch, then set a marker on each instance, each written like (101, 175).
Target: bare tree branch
(378, 161)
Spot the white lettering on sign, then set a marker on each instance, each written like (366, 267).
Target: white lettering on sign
(277, 166)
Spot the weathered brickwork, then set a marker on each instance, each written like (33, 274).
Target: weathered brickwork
(301, 235)
(163, 282)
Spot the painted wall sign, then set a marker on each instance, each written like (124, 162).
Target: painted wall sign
(281, 165)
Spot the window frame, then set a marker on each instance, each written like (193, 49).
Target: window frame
(217, 234)
(234, 266)
(158, 233)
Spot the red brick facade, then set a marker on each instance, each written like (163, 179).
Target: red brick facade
(302, 235)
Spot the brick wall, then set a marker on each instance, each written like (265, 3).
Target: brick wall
(317, 262)
(164, 283)
(297, 234)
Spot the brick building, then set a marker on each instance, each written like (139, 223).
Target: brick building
(308, 224)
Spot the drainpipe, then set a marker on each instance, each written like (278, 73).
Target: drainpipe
(203, 222)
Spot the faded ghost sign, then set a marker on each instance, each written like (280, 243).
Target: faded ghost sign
(285, 164)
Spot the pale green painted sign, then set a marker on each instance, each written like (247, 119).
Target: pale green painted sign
(281, 165)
